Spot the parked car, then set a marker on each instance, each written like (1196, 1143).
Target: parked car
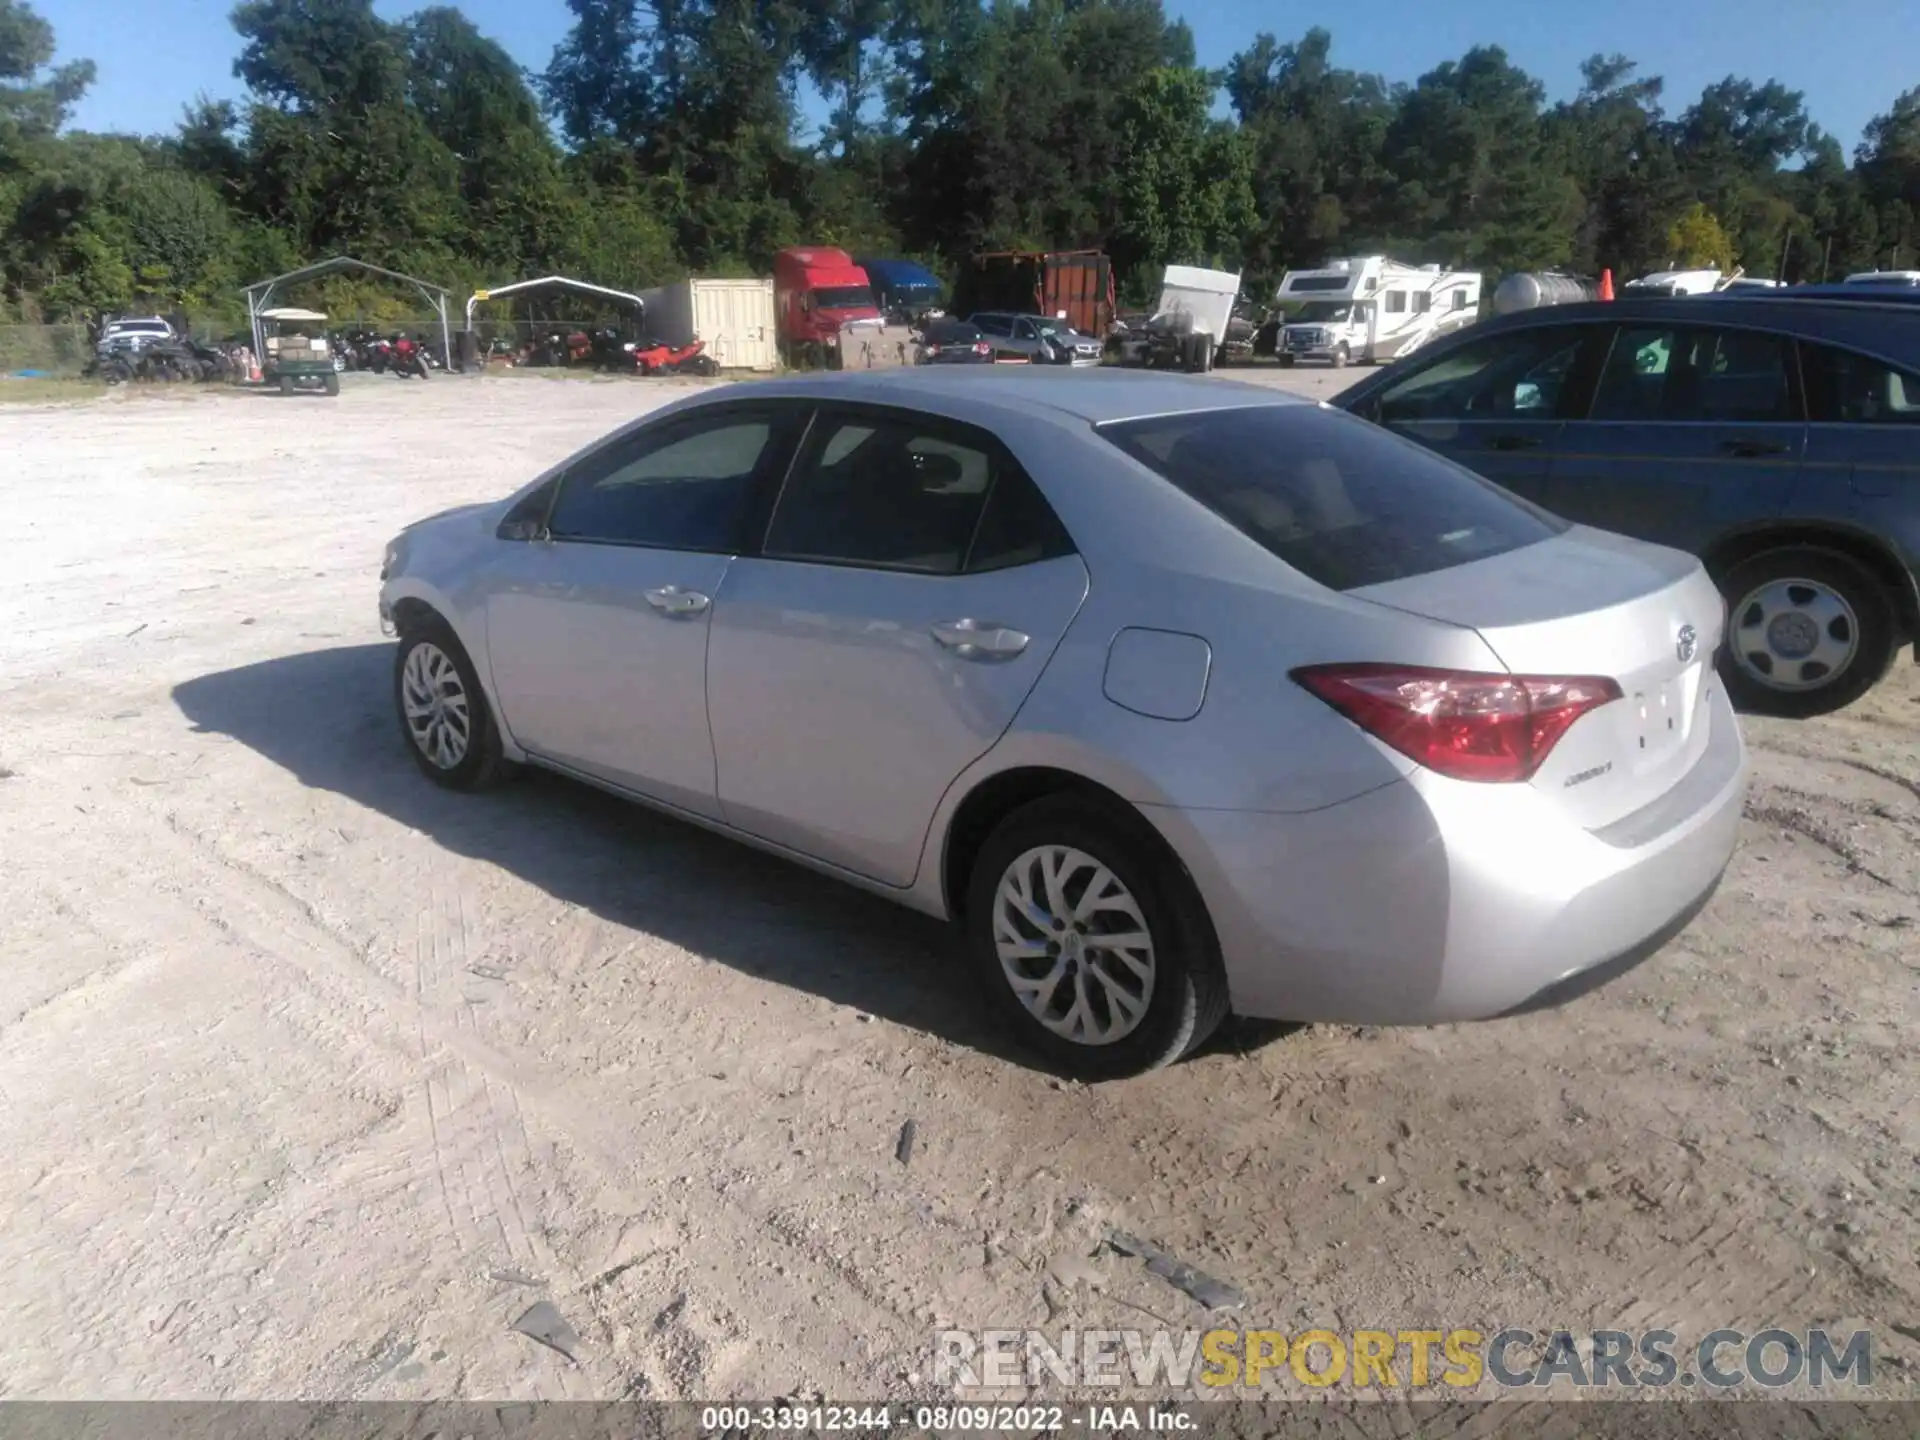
(1036, 339)
(1156, 685)
(1779, 442)
(953, 342)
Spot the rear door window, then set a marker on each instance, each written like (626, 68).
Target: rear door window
(891, 491)
(1684, 372)
(1345, 503)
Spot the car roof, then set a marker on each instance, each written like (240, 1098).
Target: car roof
(1869, 323)
(1095, 396)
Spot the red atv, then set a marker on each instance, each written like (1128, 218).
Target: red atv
(656, 357)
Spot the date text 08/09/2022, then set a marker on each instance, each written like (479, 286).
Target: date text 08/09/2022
(747, 1420)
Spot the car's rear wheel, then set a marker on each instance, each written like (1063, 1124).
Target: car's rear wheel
(449, 728)
(1091, 941)
(1808, 632)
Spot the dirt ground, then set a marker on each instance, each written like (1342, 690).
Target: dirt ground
(316, 1077)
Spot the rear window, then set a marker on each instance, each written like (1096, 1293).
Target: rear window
(1343, 502)
(952, 332)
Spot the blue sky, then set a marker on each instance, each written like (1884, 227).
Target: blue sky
(1850, 57)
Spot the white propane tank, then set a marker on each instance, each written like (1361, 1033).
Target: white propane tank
(1529, 290)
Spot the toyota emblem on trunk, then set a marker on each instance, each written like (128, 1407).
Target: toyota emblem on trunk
(1686, 642)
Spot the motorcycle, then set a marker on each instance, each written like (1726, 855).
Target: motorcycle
(408, 357)
(656, 357)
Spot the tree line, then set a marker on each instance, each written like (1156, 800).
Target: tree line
(664, 137)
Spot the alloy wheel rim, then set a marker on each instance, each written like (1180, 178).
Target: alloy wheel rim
(1073, 945)
(1793, 635)
(435, 702)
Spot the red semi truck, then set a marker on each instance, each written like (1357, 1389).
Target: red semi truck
(826, 313)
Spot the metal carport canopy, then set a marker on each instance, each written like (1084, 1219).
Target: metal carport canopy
(556, 282)
(260, 295)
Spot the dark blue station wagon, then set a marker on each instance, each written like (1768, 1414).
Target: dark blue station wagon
(1779, 442)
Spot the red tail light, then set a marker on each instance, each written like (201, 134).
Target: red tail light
(933, 349)
(1460, 723)
(983, 348)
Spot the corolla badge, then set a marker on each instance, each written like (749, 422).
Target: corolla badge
(1686, 643)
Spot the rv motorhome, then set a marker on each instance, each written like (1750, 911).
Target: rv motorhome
(1369, 308)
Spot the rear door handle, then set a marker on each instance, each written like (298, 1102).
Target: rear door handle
(1514, 442)
(1750, 448)
(672, 600)
(977, 640)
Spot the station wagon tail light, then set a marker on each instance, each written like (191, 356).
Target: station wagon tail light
(1464, 724)
(981, 347)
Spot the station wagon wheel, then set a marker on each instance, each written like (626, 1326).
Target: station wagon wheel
(1808, 632)
(444, 715)
(1090, 941)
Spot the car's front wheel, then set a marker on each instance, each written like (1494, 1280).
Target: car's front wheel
(1808, 632)
(449, 727)
(1091, 941)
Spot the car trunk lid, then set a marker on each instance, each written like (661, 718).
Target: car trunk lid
(1590, 603)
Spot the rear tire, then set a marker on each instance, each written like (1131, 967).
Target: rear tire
(1099, 852)
(444, 717)
(1286, 361)
(332, 382)
(1791, 610)
(286, 385)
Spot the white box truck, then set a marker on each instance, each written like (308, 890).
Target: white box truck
(733, 317)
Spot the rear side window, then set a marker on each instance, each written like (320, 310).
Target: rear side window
(1848, 389)
(1341, 501)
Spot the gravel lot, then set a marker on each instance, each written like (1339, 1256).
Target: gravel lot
(315, 1077)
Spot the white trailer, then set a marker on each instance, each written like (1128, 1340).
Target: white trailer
(1188, 328)
(1368, 308)
(733, 317)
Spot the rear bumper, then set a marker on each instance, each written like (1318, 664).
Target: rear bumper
(1429, 901)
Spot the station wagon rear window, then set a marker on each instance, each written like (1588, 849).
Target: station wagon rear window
(1346, 504)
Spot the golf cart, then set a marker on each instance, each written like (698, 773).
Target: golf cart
(298, 353)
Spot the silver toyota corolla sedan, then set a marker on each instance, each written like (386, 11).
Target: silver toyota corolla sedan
(1180, 696)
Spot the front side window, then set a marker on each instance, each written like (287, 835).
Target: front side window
(1025, 330)
(1344, 503)
(1519, 375)
(903, 493)
(1848, 389)
(1423, 302)
(1680, 372)
(687, 486)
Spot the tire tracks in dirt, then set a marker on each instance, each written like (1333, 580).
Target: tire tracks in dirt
(485, 1099)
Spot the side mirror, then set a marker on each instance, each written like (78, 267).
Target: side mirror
(526, 530)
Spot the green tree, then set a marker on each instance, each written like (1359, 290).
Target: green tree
(1698, 241)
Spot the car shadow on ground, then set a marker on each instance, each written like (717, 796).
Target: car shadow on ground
(327, 717)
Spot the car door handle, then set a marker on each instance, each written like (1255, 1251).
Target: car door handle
(1514, 442)
(973, 640)
(672, 600)
(1751, 448)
